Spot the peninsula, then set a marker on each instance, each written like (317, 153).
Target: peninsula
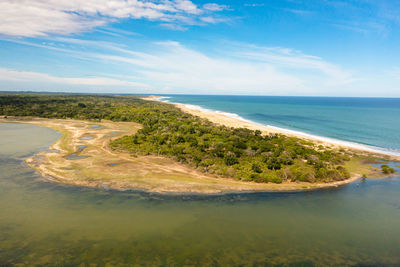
(126, 142)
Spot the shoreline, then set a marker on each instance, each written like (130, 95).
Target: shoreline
(102, 167)
(236, 121)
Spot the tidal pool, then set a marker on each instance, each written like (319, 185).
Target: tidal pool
(87, 137)
(97, 127)
(50, 224)
(113, 134)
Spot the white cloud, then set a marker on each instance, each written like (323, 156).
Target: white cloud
(174, 27)
(187, 6)
(17, 19)
(215, 7)
(29, 77)
(288, 58)
(213, 20)
(30, 18)
(300, 12)
(254, 4)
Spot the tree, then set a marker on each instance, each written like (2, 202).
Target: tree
(230, 159)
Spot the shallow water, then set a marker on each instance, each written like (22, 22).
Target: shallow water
(47, 223)
(113, 134)
(74, 156)
(96, 127)
(87, 137)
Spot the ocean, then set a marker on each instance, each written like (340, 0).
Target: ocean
(369, 122)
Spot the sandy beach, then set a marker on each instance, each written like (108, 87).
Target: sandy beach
(231, 120)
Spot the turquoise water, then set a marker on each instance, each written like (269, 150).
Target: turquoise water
(49, 224)
(368, 121)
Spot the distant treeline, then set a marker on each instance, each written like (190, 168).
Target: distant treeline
(239, 153)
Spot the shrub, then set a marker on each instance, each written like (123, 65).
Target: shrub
(206, 162)
(302, 174)
(343, 172)
(230, 159)
(272, 177)
(256, 168)
(386, 169)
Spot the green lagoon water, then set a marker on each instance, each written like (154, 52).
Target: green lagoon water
(50, 224)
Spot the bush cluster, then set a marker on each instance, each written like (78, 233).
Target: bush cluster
(386, 169)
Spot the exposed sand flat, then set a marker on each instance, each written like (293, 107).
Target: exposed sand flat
(94, 164)
(224, 119)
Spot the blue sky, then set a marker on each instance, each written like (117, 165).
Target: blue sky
(287, 47)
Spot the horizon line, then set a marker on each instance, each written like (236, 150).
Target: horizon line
(177, 94)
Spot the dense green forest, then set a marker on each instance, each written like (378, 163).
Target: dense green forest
(223, 151)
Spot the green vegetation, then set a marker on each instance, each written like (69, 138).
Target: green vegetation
(238, 153)
(386, 169)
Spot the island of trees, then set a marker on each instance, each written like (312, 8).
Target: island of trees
(237, 153)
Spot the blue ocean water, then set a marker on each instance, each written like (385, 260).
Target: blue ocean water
(369, 121)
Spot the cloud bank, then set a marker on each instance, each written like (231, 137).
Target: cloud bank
(32, 18)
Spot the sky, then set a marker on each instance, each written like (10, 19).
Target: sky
(260, 47)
